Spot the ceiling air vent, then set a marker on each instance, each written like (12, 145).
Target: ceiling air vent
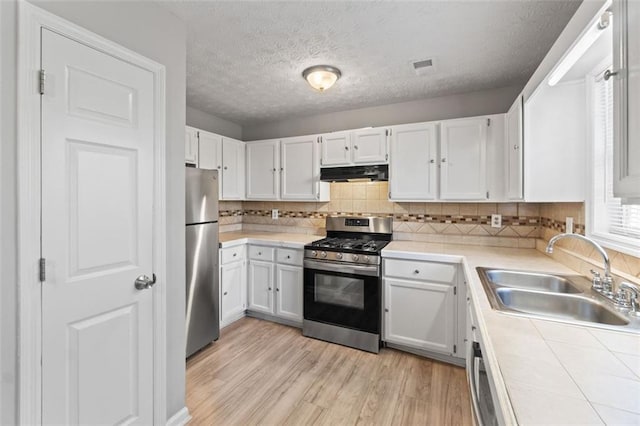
(423, 66)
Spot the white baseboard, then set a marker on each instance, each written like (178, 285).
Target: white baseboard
(180, 418)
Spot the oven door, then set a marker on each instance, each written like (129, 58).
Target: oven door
(342, 295)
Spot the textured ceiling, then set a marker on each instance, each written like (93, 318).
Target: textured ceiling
(245, 59)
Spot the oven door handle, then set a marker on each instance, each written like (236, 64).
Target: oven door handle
(473, 363)
(369, 270)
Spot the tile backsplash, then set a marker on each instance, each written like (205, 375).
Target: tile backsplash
(524, 225)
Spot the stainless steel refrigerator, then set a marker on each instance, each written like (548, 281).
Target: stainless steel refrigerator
(203, 326)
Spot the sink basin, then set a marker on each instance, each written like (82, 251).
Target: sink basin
(560, 306)
(531, 281)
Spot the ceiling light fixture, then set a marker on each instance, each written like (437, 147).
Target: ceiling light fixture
(321, 77)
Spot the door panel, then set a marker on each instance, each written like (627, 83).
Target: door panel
(261, 286)
(514, 150)
(299, 169)
(289, 292)
(232, 303)
(370, 146)
(232, 169)
(97, 218)
(336, 149)
(413, 163)
(262, 166)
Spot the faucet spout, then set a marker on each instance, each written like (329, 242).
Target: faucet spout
(598, 247)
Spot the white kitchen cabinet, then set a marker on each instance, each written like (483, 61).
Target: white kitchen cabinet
(233, 292)
(369, 146)
(626, 94)
(233, 174)
(514, 150)
(420, 301)
(336, 149)
(463, 159)
(289, 287)
(260, 281)
(300, 169)
(191, 145)
(263, 170)
(413, 162)
(210, 151)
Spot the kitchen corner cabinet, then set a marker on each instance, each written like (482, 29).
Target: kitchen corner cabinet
(210, 152)
(413, 166)
(420, 309)
(233, 285)
(289, 291)
(263, 165)
(233, 153)
(191, 145)
(626, 94)
(260, 280)
(363, 146)
(513, 131)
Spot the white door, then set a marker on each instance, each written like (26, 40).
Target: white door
(336, 149)
(191, 145)
(420, 315)
(463, 163)
(263, 170)
(370, 146)
(289, 292)
(299, 168)
(413, 165)
(97, 198)
(261, 286)
(232, 169)
(514, 151)
(232, 300)
(209, 151)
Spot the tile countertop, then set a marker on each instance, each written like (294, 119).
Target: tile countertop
(545, 372)
(230, 239)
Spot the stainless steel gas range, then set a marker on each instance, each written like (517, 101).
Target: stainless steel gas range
(343, 282)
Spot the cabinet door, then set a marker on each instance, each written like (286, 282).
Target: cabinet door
(626, 94)
(300, 168)
(420, 315)
(260, 282)
(209, 151)
(232, 169)
(514, 150)
(232, 301)
(289, 292)
(463, 147)
(413, 162)
(370, 146)
(263, 170)
(336, 149)
(191, 145)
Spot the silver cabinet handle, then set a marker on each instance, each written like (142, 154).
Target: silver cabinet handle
(288, 257)
(143, 282)
(218, 167)
(417, 271)
(515, 147)
(277, 289)
(274, 169)
(269, 288)
(225, 293)
(355, 147)
(444, 160)
(225, 167)
(432, 161)
(235, 254)
(346, 148)
(259, 253)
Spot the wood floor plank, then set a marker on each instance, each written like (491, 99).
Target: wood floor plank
(269, 374)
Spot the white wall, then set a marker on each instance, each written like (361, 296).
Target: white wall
(454, 106)
(8, 237)
(211, 123)
(150, 30)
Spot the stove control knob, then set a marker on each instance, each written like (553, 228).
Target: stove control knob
(355, 257)
(339, 255)
(314, 253)
(366, 259)
(323, 254)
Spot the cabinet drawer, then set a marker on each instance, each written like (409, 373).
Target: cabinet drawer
(261, 253)
(289, 256)
(423, 271)
(231, 254)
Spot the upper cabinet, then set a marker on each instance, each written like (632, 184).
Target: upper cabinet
(626, 109)
(463, 159)
(513, 123)
(364, 146)
(263, 170)
(210, 151)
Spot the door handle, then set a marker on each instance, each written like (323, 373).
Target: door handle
(143, 282)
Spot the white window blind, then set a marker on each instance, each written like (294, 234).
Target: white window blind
(614, 221)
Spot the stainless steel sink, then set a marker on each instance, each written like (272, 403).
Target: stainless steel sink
(565, 298)
(560, 306)
(531, 280)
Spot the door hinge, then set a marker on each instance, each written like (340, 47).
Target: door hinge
(487, 194)
(488, 122)
(455, 291)
(455, 349)
(43, 77)
(386, 157)
(43, 270)
(389, 194)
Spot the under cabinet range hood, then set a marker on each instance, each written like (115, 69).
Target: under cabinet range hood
(377, 172)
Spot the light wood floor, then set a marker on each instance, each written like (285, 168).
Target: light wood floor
(260, 372)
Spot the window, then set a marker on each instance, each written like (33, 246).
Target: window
(612, 224)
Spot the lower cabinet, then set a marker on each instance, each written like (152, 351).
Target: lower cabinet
(232, 292)
(420, 304)
(276, 288)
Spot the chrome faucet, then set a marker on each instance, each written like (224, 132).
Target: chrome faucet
(629, 296)
(607, 280)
